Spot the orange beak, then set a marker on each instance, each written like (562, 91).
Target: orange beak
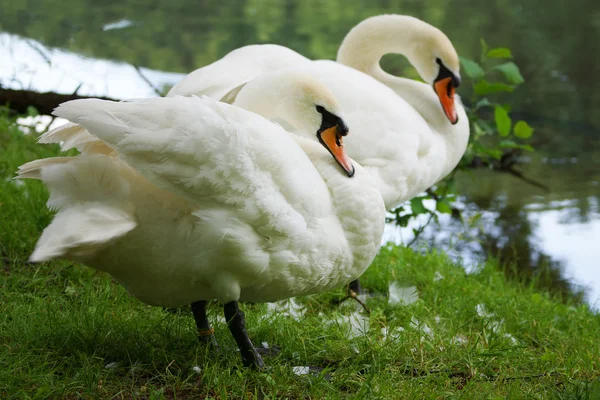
(331, 138)
(445, 91)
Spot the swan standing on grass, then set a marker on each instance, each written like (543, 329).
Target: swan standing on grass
(201, 200)
(407, 134)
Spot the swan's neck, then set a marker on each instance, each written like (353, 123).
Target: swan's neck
(357, 201)
(375, 37)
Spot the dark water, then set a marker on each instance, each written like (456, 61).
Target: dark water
(555, 44)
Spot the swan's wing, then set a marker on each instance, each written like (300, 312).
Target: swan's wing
(73, 136)
(211, 153)
(222, 79)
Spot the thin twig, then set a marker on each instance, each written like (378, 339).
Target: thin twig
(145, 79)
(351, 295)
(421, 229)
(522, 177)
(35, 47)
(77, 88)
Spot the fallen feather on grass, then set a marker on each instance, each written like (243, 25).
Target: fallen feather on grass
(421, 326)
(483, 312)
(402, 295)
(353, 325)
(437, 276)
(300, 370)
(511, 338)
(493, 325)
(196, 369)
(391, 334)
(459, 339)
(287, 308)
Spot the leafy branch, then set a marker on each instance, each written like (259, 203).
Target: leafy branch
(495, 141)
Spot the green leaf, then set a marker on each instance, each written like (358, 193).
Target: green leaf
(523, 130)
(32, 111)
(403, 220)
(511, 72)
(509, 144)
(416, 204)
(479, 131)
(443, 206)
(483, 88)
(471, 68)
(499, 52)
(487, 126)
(503, 121)
(494, 153)
(480, 150)
(483, 103)
(484, 47)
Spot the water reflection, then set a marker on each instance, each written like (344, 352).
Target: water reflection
(549, 41)
(547, 239)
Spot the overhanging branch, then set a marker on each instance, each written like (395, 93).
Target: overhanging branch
(19, 100)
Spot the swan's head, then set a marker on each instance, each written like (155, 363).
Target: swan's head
(425, 46)
(436, 60)
(303, 106)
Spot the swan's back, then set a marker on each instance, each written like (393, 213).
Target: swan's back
(212, 201)
(222, 78)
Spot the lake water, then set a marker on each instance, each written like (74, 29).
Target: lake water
(58, 45)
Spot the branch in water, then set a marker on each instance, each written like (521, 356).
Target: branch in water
(506, 164)
(522, 177)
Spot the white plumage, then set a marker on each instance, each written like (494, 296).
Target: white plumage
(192, 199)
(399, 131)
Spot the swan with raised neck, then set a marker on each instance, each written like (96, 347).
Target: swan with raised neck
(432, 54)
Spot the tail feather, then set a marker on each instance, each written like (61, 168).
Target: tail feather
(92, 199)
(32, 169)
(74, 136)
(82, 230)
(96, 115)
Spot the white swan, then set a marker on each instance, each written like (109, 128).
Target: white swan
(421, 128)
(409, 135)
(202, 200)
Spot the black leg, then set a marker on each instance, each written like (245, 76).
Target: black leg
(355, 286)
(205, 332)
(237, 326)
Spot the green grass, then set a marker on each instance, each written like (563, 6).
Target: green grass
(67, 331)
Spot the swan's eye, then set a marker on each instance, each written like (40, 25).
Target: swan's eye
(437, 60)
(321, 109)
